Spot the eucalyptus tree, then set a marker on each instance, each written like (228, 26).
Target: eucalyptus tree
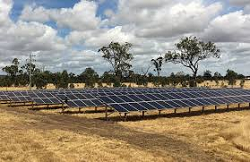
(190, 51)
(157, 64)
(119, 57)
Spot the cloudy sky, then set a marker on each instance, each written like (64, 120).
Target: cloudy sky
(66, 34)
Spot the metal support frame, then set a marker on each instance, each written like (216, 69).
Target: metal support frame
(63, 108)
(143, 113)
(125, 116)
(32, 105)
(106, 113)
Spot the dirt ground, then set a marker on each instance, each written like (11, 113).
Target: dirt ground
(48, 135)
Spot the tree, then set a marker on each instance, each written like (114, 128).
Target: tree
(12, 71)
(207, 75)
(90, 77)
(190, 52)
(217, 76)
(64, 79)
(40, 80)
(157, 64)
(107, 78)
(231, 76)
(118, 56)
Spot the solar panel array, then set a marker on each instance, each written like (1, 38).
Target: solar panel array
(126, 100)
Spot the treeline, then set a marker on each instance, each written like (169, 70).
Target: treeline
(19, 76)
(190, 52)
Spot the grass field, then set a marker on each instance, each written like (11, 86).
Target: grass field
(48, 135)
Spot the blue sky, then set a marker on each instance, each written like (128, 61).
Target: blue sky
(68, 38)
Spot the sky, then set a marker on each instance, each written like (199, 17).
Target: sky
(66, 34)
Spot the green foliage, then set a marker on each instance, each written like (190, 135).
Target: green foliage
(231, 76)
(190, 52)
(89, 77)
(118, 56)
(242, 83)
(207, 75)
(64, 79)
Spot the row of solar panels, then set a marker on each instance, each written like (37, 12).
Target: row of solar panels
(160, 105)
(138, 99)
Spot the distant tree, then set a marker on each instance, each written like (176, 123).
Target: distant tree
(64, 79)
(90, 77)
(12, 71)
(207, 75)
(157, 64)
(40, 80)
(190, 52)
(242, 83)
(231, 76)
(119, 57)
(107, 78)
(217, 76)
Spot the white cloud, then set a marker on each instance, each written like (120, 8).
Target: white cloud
(81, 17)
(232, 27)
(164, 18)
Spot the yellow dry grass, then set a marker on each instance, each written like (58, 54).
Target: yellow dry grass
(30, 137)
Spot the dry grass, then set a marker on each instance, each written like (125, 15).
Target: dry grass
(48, 135)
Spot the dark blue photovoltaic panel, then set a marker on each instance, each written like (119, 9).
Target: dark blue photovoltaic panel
(116, 99)
(126, 99)
(138, 106)
(174, 104)
(147, 105)
(135, 98)
(143, 97)
(129, 107)
(119, 108)
(189, 103)
(156, 105)
(182, 104)
(72, 104)
(107, 100)
(164, 104)
(80, 103)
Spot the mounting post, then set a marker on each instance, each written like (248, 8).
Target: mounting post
(62, 107)
(203, 108)
(189, 109)
(239, 105)
(32, 105)
(125, 116)
(215, 108)
(143, 113)
(106, 113)
(79, 109)
(159, 112)
(228, 106)
(175, 110)
(95, 109)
